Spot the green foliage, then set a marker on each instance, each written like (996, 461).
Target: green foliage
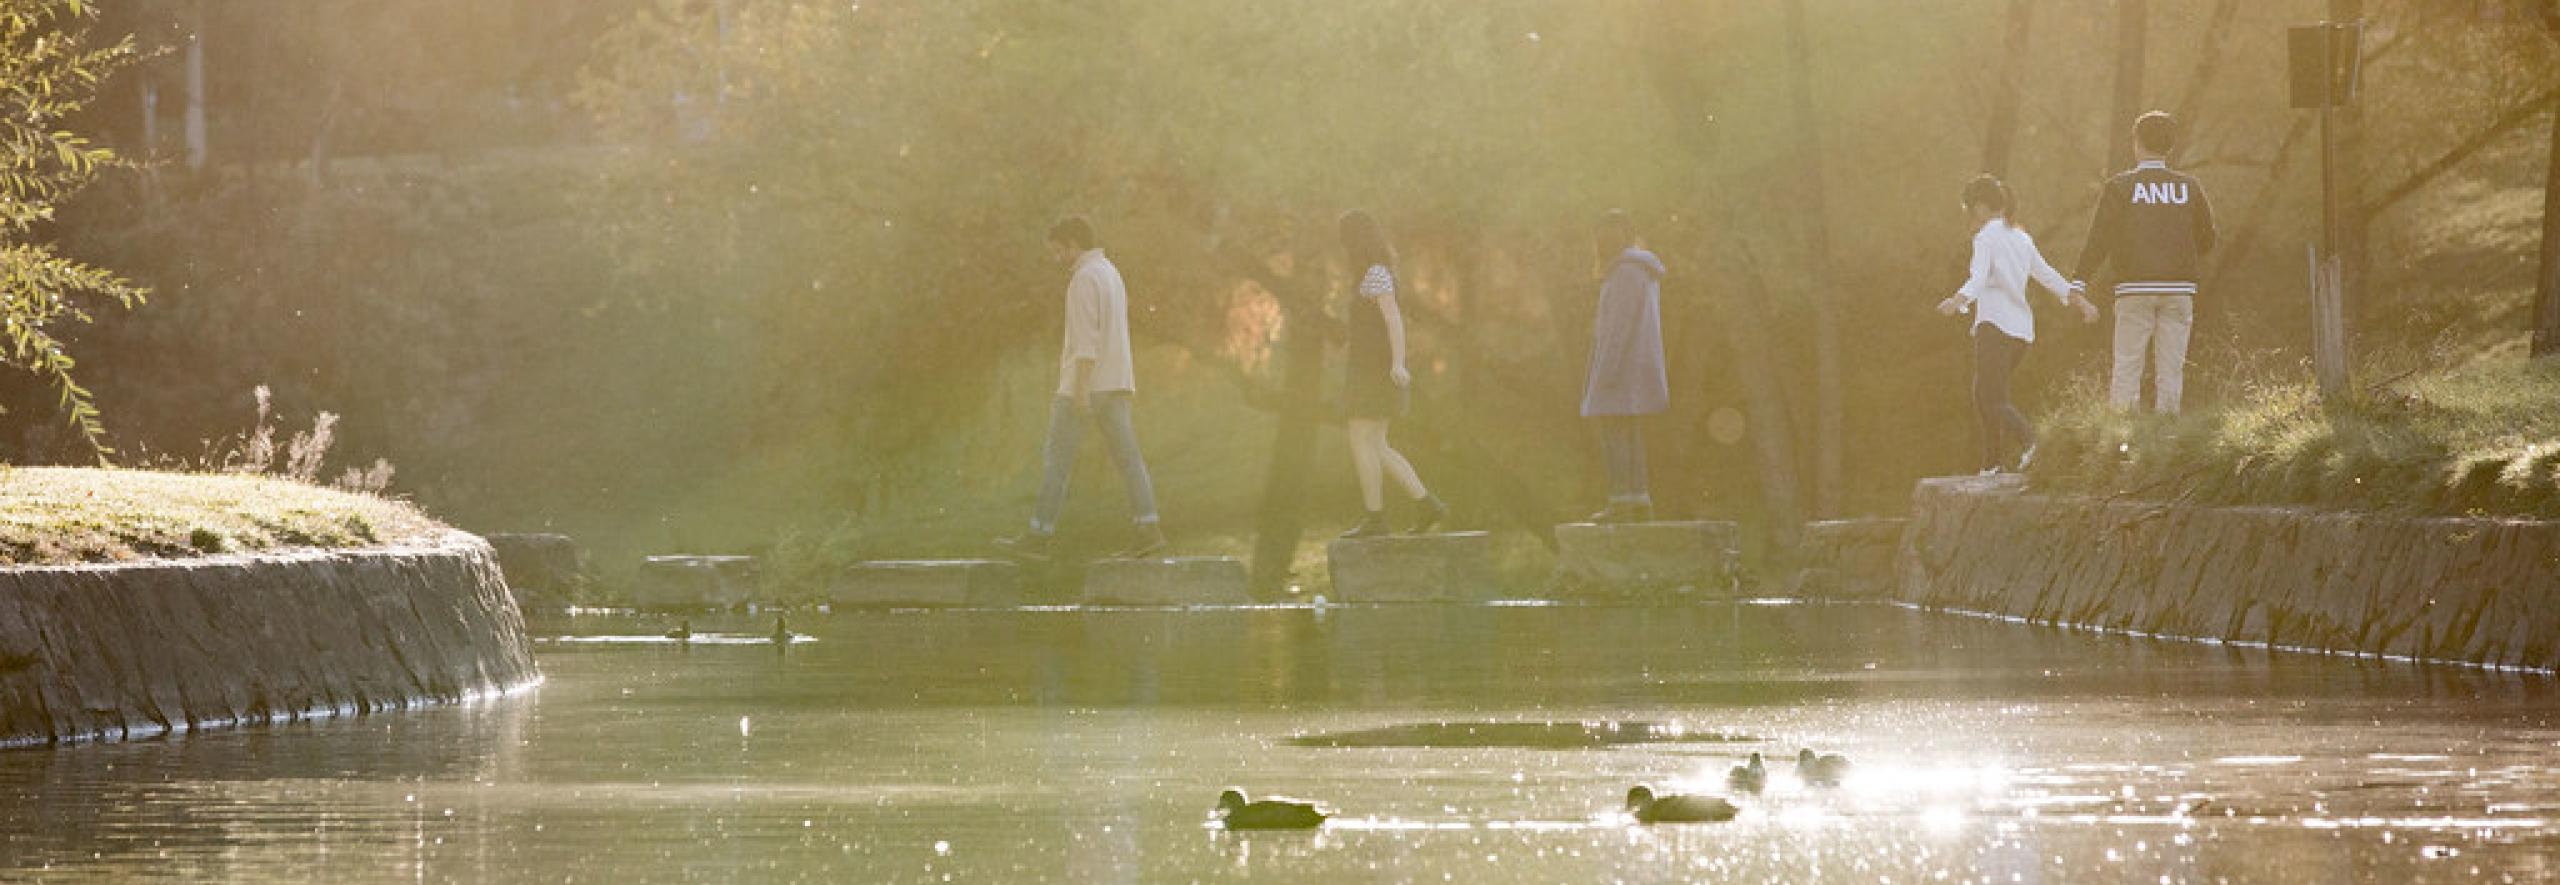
(48, 73)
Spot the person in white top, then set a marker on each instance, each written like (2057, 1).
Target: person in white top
(2004, 259)
(1096, 381)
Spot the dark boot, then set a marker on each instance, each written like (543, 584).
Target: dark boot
(1148, 541)
(1026, 547)
(1371, 526)
(1429, 513)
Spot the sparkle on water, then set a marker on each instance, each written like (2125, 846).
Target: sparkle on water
(1478, 744)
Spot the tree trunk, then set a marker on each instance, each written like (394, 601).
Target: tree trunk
(2217, 37)
(1765, 402)
(2546, 293)
(2133, 24)
(2241, 236)
(1828, 457)
(2354, 220)
(2003, 135)
(195, 90)
(1281, 519)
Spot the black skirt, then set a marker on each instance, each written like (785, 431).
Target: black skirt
(1368, 392)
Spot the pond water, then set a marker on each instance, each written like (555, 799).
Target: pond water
(1087, 746)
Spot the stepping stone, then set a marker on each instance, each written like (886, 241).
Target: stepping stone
(537, 561)
(1167, 580)
(1848, 558)
(928, 583)
(1646, 560)
(695, 582)
(1452, 567)
(1970, 484)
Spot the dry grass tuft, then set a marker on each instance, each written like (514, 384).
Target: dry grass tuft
(2480, 439)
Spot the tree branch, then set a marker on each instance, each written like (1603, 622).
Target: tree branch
(2513, 119)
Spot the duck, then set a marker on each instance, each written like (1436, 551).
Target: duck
(1822, 771)
(1676, 808)
(1268, 813)
(683, 632)
(1748, 777)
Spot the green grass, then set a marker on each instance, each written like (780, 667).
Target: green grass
(56, 515)
(2475, 439)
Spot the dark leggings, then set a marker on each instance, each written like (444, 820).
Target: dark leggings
(1622, 445)
(1995, 358)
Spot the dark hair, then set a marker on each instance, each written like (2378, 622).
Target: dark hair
(1366, 241)
(1614, 230)
(1073, 232)
(1986, 191)
(2156, 132)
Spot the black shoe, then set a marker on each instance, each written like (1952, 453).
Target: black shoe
(1430, 512)
(1027, 547)
(1373, 525)
(1148, 541)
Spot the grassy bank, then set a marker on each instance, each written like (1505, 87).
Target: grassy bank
(54, 515)
(2478, 439)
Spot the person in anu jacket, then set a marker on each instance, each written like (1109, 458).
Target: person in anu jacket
(2155, 226)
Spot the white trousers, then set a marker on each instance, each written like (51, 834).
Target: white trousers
(2156, 325)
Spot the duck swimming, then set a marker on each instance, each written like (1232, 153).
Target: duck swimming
(1749, 777)
(682, 633)
(1676, 808)
(1821, 771)
(1272, 813)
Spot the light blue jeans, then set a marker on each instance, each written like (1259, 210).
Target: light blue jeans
(1066, 433)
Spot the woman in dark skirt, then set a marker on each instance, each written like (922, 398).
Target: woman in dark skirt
(1376, 387)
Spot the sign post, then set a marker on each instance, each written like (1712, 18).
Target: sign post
(2325, 71)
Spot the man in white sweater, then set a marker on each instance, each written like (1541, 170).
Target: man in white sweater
(1096, 381)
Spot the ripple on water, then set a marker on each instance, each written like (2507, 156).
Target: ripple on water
(1519, 735)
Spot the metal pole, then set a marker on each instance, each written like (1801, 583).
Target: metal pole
(2328, 342)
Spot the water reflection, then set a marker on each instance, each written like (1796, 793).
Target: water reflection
(1085, 747)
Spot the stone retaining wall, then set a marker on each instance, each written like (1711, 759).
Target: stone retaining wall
(2473, 590)
(112, 651)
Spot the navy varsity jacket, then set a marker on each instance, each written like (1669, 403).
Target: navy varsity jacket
(2155, 226)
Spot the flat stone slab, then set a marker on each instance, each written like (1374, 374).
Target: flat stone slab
(541, 563)
(1970, 484)
(695, 582)
(928, 583)
(1167, 580)
(1646, 560)
(1849, 558)
(1452, 567)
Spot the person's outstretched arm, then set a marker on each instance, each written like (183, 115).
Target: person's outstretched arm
(1977, 280)
(2070, 293)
